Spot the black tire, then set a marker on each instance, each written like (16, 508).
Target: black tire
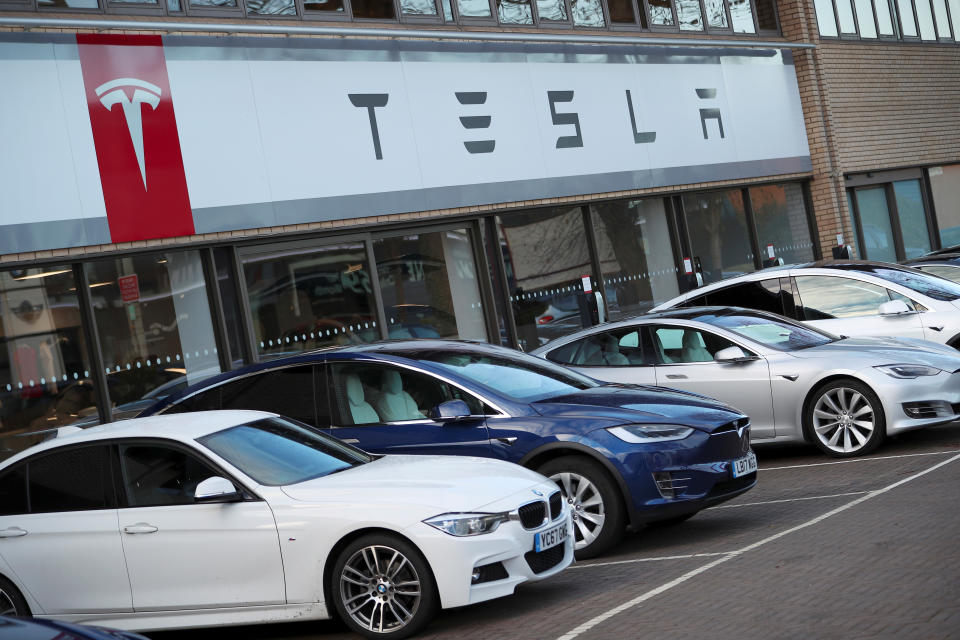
(387, 608)
(844, 418)
(12, 602)
(569, 472)
(669, 522)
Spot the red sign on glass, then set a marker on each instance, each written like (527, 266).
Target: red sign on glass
(129, 288)
(135, 135)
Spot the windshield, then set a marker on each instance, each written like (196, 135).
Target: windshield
(770, 331)
(276, 452)
(924, 283)
(521, 377)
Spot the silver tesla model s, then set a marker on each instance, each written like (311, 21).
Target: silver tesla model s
(796, 383)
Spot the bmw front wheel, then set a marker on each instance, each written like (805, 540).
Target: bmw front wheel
(382, 587)
(12, 602)
(845, 419)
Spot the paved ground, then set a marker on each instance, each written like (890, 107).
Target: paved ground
(857, 549)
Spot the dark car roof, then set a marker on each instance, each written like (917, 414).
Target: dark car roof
(931, 258)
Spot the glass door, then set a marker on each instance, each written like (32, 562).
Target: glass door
(876, 229)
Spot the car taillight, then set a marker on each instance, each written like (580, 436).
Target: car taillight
(544, 319)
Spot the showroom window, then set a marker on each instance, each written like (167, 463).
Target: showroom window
(890, 215)
(945, 191)
(719, 235)
(783, 226)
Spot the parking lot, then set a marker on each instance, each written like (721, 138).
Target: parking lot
(823, 548)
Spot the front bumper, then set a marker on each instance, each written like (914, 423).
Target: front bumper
(937, 397)
(454, 559)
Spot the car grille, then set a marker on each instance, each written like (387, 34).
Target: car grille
(727, 486)
(544, 560)
(532, 514)
(556, 505)
(732, 426)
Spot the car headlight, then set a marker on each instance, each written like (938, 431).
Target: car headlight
(908, 370)
(640, 433)
(468, 524)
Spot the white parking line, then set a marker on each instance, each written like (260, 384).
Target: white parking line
(589, 624)
(587, 565)
(753, 504)
(821, 464)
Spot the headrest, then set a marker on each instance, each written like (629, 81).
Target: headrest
(610, 343)
(690, 339)
(391, 383)
(354, 390)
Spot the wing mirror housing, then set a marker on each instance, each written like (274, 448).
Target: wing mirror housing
(449, 411)
(894, 308)
(216, 489)
(733, 354)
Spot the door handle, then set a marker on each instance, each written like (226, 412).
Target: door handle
(140, 527)
(676, 376)
(937, 327)
(12, 532)
(507, 441)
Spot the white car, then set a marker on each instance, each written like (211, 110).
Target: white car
(850, 298)
(241, 517)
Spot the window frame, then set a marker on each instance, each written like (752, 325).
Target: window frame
(653, 326)
(110, 486)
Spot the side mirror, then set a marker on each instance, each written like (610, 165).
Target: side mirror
(732, 354)
(216, 489)
(449, 411)
(894, 308)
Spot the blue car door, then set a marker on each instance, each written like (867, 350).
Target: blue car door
(383, 408)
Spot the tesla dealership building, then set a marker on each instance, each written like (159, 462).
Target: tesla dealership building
(190, 186)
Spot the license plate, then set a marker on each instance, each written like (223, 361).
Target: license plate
(550, 537)
(743, 466)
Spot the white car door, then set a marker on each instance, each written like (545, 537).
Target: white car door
(185, 555)
(61, 538)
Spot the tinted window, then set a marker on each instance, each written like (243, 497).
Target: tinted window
(698, 301)
(944, 271)
(13, 491)
(825, 297)
(72, 480)
(770, 331)
(155, 475)
(686, 344)
(928, 285)
(204, 401)
(611, 349)
(763, 296)
(288, 392)
(566, 353)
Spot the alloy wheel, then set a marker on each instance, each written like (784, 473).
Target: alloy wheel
(585, 503)
(7, 605)
(843, 419)
(380, 589)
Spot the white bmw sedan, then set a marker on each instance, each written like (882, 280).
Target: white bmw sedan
(796, 383)
(237, 517)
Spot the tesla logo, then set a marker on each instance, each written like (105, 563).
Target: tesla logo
(112, 93)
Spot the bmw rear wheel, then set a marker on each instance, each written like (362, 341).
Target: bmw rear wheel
(383, 587)
(12, 602)
(845, 419)
(598, 518)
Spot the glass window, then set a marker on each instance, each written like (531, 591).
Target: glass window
(781, 217)
(942, 270)
(845, 16)
(418, 7)
(429, 286)
(379, 394)
(945, 190)
(688, 14)
(588, 13)
(763, 295)
(213, 3)
(913, 218)
(323, 6)
(226, 282)
(686, 344)
(69, 4)
(908, 25)
(613, 349)
(373, 9)
(309, 297)
(77, 479)
(623, 11)
(634, 245)
(742, 16)
(156, 476)
(775, 333)
(473, 8)
(491, 245)
(661, 13)
(943, 20)
(826, 297)
(864, 10)
(545, 253)
(44, 371)
(875, 225)
(936, 288)
(13, 491)
(884, 19)
(276, 452)
(766, 15)
(717, 224)
(153, 317)
(925, 20)
(271, 7)
(955, 16)
(208, 400)
(826, 19)
(552, 10)
(716, 13)
(514, 12)
(287, 391)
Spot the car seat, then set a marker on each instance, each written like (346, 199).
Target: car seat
(658, 348)
(611, 352)
(693, 349)
(392, 402)
(590, 353)
(360, 410)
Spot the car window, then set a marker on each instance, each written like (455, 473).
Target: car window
(287, 391)
(763, 295)
(826, 297)
(769, 330)
(942, 270)
(375, 393)
(13, 491)
(923, 283)
(207, 400)
(686, 344)
(619, 348)
(74, 479)
(698, 301)
(155, 475)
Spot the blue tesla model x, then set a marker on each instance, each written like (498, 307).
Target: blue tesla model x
(621, 454)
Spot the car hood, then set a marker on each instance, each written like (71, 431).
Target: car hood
(625, 404)
(882, 351)
(443, 483)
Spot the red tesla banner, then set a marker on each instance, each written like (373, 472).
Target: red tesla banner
(135, 134)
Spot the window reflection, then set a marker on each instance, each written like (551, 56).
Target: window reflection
(688, 13)
(588, 13)
(213, 3)
(913, 219)
(781, 217)
(514, 12)
(473, 8)
(945, 189)
(552, 9)
(716, 14)
(69, 4)
(622, 11)
(875, 224)
(418, 7)
(826, 297)
(661, 13)
(271, 7)
(718, 233)
(374, 9)
(44, 372)
(741, 15)
(327, 6)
